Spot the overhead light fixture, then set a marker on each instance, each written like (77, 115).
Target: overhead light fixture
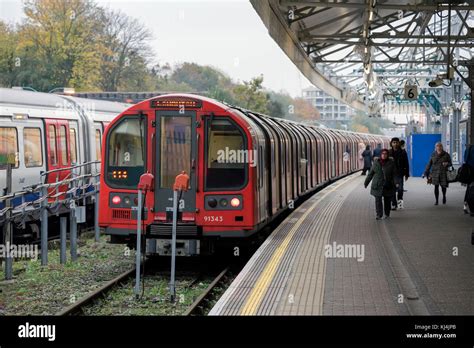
(436, 82)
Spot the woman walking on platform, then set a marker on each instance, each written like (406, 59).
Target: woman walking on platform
(383, 184)
(436, 171)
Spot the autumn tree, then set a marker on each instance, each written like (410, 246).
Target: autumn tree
(60, 43)
(365, 124)
(304, 110)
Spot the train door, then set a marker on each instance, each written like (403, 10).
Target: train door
(291, 174)
(98, 141)
(175, 152)
(9, 153)
(57, 146)
(281, 162)
(74, 147)
(32, 160)
(331, 155)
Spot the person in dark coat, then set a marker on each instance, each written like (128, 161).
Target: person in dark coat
(377, 150)
(367, 156)
(437, 171)
(382, 175)
(469, 160)
(402, 170)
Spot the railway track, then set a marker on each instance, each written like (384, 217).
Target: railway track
(200, 303)
(197, 307)
(76, 307)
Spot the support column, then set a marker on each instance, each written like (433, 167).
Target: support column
(455, 136)
(471, 118)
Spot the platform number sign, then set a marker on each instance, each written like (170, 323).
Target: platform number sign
(411, 92)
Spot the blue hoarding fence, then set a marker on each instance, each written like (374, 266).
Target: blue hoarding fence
(419, 148)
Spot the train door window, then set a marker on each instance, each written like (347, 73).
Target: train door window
(52, 145)
(33, 147)
(175, 155)
(226, 157)
(8, 146)
(73, 144)
(63, 145)
(98, 145)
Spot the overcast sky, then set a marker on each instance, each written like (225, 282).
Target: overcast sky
(227, 34)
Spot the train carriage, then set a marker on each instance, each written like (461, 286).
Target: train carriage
(49, 132)
(245, 169)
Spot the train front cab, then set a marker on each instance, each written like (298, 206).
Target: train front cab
(224, 199)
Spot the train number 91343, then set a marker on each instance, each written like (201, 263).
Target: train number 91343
(213, 218)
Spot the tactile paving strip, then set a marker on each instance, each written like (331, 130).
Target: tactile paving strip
(235, 300)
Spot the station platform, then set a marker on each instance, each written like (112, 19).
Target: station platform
(332, 257)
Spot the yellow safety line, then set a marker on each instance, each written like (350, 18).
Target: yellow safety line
(256, 295)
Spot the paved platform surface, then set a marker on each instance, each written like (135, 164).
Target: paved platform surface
(331, 257)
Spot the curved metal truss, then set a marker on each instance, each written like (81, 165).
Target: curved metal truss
(375, 47)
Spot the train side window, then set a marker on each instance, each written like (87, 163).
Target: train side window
(63, 144)
(52, 145)
(98, 145)
(33, 147)
(73, 145)
(227, 160)
(8, 145)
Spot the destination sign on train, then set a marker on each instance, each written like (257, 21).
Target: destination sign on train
(176, 103)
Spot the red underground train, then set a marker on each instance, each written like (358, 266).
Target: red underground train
(245, 169)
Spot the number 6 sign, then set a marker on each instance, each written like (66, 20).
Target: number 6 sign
(411, 92)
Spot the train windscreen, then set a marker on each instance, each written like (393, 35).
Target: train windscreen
(125, 153)
(227, 158)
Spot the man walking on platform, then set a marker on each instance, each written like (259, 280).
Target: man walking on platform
(401, 171)
(377, 150)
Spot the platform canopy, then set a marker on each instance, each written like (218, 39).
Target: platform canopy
(365, 51)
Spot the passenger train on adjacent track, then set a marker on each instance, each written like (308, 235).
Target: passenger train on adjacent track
(245, 169)
(46, 132)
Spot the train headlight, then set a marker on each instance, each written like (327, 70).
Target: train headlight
(116, 200)
(126, 200)
(223, 202)
(212, 202)
(235, 202)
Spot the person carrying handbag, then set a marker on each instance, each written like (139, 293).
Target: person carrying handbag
(436, 171)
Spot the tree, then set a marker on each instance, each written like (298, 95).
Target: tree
(373, 125)
(78, 44)
(60, 43)
(9, 60)
(222, 94)
(200, 78)
(251, 96)
(275, 108)
(359, 128)
(125, 52)
(304, 110)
